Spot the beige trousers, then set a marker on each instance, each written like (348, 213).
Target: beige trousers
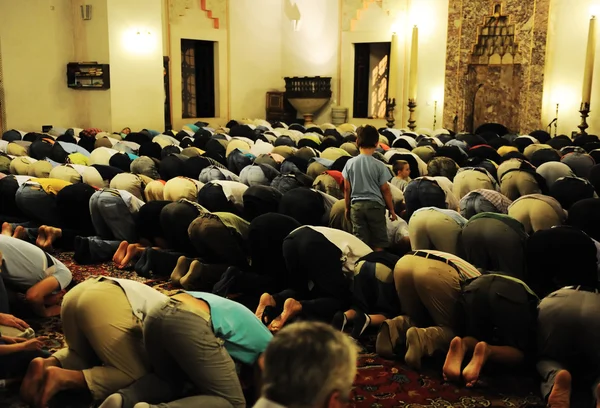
(534, 214)
(104, 337)
(519, 183)
(429, 291)
(469, 180)
(431, 229)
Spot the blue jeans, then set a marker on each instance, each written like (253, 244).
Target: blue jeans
(111, 217)
(37, 205)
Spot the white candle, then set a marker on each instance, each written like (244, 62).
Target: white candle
(414, 64)
(393, 71)
(589, 63)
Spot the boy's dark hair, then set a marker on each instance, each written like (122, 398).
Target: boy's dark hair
(367, 137)
(399, 165)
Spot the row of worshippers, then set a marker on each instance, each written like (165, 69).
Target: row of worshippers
(450, 209)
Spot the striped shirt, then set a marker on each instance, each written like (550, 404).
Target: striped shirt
(465, 271)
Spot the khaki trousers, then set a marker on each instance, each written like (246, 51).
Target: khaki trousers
(429, 292)
(431, 229)
(104, 337)
(469, 180)
(534, 214)
(519, 183)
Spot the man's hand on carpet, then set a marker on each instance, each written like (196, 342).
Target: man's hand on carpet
(11, 321)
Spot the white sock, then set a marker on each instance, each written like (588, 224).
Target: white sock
(113, 401)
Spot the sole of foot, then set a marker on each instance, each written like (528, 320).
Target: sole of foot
(7, 229)
(20, 233)
(472, 371)
(193, 276)
(120, 253)
(181, 269)
(291, 308)
(560, 397)
(454, 359)
(265, 300)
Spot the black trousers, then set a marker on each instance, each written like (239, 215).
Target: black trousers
(314, 275)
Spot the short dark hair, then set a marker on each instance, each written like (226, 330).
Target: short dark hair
(367, 137)
(399, 165)
(305, 363)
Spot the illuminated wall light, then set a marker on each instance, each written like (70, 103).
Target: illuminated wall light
(139, 41)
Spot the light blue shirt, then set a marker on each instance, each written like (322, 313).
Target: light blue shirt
(366, 175)
(73, 148)
(460, 220)
(244, 335)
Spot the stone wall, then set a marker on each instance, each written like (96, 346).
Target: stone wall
(495, 63)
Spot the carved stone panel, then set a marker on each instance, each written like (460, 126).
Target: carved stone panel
(495, 63)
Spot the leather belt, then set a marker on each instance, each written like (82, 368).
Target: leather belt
(429, 255)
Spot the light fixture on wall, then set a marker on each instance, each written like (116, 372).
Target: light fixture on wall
(139, 41)
(86, 11)
(296, 25)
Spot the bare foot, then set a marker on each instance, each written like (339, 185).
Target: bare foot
(120, 253)
(30, 387)
(265, 300)
(560, 397)
(56, 379)
(20, 233)
(40, 241)
(133, 251)
(291, 308)
(52, 234)
(7, 229)
(473, 369)
(181, 269)
(454, 358)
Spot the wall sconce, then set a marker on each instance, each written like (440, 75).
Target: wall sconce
(139, 41)
(296, 25)
(86, 11)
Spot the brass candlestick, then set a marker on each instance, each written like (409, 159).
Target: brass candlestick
(585, 112)
(412, 104)
(389, 112)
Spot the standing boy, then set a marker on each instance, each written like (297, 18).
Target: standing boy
(367, 192)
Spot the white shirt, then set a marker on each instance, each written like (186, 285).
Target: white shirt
(141, 297)
(396, 230)
(352, 248)
(133, 203)
(234, 191)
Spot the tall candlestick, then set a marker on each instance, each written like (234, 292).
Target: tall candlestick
(393, 70)
(589, 63)
(414, 64)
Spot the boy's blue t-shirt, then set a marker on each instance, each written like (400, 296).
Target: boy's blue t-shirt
(244, 335)
(366, 175)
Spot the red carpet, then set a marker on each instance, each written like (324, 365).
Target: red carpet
(379, 383)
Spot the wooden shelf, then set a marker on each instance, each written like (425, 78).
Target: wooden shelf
(88, 76)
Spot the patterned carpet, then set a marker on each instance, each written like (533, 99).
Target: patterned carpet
(379, 383)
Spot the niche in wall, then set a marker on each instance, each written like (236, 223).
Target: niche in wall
(371, 68)
(198, 78)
